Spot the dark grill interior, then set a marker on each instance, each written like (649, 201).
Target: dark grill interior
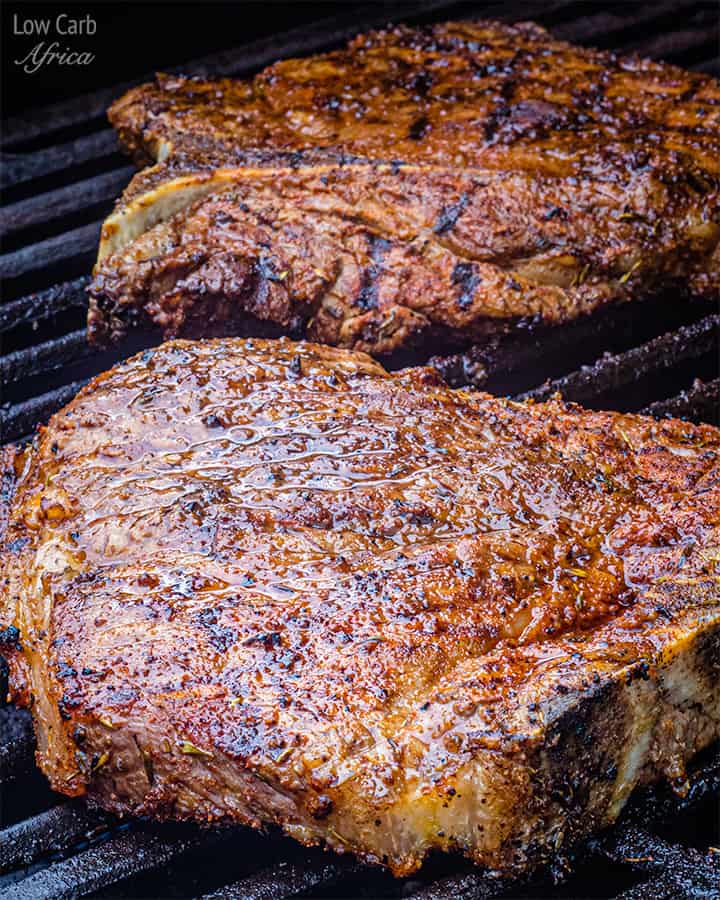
(61, 171)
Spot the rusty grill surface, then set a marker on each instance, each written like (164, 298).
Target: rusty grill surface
(61, 171)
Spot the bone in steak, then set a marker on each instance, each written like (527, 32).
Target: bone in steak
(446, 180)
(269, 582)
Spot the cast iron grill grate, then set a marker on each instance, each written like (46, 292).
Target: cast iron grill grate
(61, 172)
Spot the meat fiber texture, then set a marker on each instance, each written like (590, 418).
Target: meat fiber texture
(266, 582)
(447, 182)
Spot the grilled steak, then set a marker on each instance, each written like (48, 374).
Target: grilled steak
(454, 180)
(269, 582)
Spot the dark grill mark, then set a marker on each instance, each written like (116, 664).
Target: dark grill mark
(10, 637)
(367, 295)
(419, 129)
(466, 276)
(507, 90)
(450, 214)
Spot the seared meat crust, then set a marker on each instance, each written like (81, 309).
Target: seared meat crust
(539, 180)
(262, 581)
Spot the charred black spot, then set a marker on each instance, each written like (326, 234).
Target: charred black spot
(639, 672)
(419, 128)
(127, 315)
(66, 671)
(466, 276)
(698, 182)
(102, 301)
(507, 89)
(123, 695)
(421, 83)
(450, 214)
(367, 295)
(296, 365)
(10, 637)
(67, 703)
(269, 639)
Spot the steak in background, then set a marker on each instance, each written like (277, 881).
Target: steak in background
(443, 182)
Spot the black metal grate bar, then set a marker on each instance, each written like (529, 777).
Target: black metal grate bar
(523, 359)
(72, 198)
(18, 168)
(676, 43)
(121, 857)
(608, 27)
(22, 418)
(44, 304)
(46, 357)
(470, 886)
(284, 880)
(57, 249)
(701, 402)
(711, 66)
(55, 829)
(615, 371)
(18, 743)
(684, 871)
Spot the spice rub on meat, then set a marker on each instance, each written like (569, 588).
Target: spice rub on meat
(261, 581)
(450, 181)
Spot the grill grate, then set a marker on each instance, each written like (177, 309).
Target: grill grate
(61, 172)
(699, 403)
(614, 371)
